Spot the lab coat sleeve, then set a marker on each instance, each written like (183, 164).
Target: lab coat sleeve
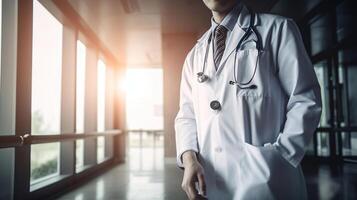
(299, 81)
(185, 122)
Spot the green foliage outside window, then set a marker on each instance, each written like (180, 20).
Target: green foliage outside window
(48, 168)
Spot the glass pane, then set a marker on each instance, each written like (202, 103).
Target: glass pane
(80, 101)
(0, 37)
(321, 73)
(100, 149)
(44, 161)
(353, 149)
(349, 143)
(6, 172)
(144, 101)
(323, 147)
(8, 45)
(101, 109)
(144, 109)
(321, 34)
(110, 97)
(80, 86)
(347, 79)
(46, 71)
(101, 96)
(345, 18)
(352, 94)
(79, 155)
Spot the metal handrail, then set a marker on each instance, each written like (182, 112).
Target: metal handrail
(154, 132)
(27, 139)
(145, 130)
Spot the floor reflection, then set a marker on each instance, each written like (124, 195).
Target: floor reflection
(146, 175)
(327, 181)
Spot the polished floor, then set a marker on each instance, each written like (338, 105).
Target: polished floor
(147, 176)
(331, 181)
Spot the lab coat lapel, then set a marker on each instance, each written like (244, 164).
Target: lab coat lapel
(202, 46)
(238, 31)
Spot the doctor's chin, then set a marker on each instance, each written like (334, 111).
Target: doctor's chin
(178, 100)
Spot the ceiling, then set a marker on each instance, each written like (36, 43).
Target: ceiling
(132, 29)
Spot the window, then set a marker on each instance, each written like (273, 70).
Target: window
(101, 86)
(7, 93)
(80, 101)
(44, 161)
(144, 106)
(0, 37)
(100, 149)
(323, 147)
(46, 91)
(80, 86)
(79, 155)
(321, 34)
(321, 73)
(144, 101)
(6, 172)
(101, 96)
(347, 80)
(46, 71)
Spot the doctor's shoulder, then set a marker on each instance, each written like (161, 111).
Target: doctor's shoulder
(276, 27)
(189, 60)
(273, 20)
(190, 57)
(275, 23)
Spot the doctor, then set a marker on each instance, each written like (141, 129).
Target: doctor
(249, 104)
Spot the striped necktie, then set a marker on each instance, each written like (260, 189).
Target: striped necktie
(219, 44)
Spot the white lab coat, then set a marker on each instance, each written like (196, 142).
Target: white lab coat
(252, 147)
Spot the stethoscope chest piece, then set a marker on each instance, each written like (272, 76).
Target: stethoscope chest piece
(201, 77)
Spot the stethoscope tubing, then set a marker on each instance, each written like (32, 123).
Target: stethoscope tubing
(250, 30)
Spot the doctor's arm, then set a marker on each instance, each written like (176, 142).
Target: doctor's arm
(185, 122)
(299, 81)
(186, 136)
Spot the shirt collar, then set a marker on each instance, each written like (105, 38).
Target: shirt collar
(230, 19)
(242, 20)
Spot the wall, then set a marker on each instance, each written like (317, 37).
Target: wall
(174, 50)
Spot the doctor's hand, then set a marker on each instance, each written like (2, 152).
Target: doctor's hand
(193, 172)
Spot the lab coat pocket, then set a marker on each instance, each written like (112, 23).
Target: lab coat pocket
(245, 72)
(246, 64)
(267, 172)
(258, 159)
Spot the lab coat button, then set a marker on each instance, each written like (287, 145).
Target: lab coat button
(215, 105)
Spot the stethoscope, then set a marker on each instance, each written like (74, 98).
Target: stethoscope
(202, 77)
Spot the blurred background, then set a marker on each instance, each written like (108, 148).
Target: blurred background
(89, 92)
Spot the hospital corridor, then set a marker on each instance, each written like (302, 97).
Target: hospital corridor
(168, 100)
